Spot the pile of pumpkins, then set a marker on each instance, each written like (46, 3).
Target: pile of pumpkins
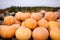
(39, 26)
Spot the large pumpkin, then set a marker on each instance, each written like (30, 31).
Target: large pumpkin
(43, 23)
(50, 16)
(40, 33)
(36, 16)
(7, 31)
(30, 23)
(55, 34)
(23, 33)
(9, 20)
(53, 24)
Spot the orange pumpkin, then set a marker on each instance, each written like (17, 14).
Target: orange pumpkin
(36, 16)
(17, 21)
(42, 11)
(27, 15)
(7, 31)
(43, 23)
(55, 34)
(58, 20)
(15, 26)
(23, 33)
(22, 16)
(19, 16)
(9, 20)
(22, 23)
(53, 24)
(50, 16)
(40, 33)
(58, 14)
(30, 23)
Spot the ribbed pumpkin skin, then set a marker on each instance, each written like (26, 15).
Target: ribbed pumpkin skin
(50, 16)
(9, 20)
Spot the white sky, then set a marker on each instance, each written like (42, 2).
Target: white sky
(8, 3)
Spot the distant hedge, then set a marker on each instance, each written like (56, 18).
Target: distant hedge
(31, 9)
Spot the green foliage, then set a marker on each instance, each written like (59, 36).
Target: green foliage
(31, 9)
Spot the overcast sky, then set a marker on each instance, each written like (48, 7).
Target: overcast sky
(8, 3)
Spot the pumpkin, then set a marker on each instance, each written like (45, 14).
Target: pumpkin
(53, 24)
(43, 23)
(19, 16)
(15, 26)
(50, 16)
(58, 20)
(40, 33)
(24, 39)
(27, 15)
(17, 21)
(22, 16)
(7, 31)
(30, 23)
(22, 23)
(55, 34)
(42, 11)
(58, 13)
(23, 33)
(36, 16)
(9, 20)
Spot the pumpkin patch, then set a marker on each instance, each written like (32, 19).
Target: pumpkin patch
(31, 26)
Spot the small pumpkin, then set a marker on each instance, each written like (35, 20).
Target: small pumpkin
(50, 16)
(43, 23)
(30, 23)
(9, 20)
